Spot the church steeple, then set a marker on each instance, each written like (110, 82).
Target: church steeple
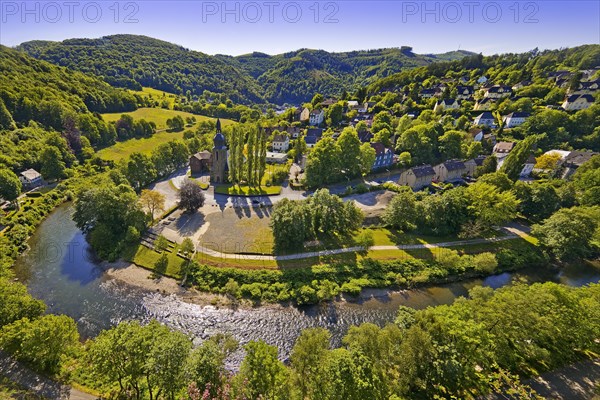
(218, 125)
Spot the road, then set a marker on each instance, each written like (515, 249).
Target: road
(40, 385)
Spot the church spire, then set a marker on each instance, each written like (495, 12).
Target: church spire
(218, 125)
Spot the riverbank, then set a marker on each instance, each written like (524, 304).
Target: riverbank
(134, 275)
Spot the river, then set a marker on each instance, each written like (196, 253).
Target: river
(60, 270)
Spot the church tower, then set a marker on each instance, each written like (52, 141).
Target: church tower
(218, 173)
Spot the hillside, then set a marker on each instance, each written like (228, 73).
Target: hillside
(37, 90)
(134, 61)
(500, 69)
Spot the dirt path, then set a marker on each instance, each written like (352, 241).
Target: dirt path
(38, 384)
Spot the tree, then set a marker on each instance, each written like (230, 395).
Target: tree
(547, 161)
(405, 159)
(167, 360)
(161, 243)
(335, 114)
(569, 232)
(514, 162)
(490, 206)
(367, 158)
(498, 179)
(401, 212)
(489, 165)
(42, 342)
(53, 166)
(451, 144)
(323, 164)
(6, 120)
(191, 196)
(140, 170)
(317, 99)
(308, 359)
(105, 212)
(264, 373)
(16, 303)
(349, 144)
(187, 247)
(537, 200)
(10, 185)
(206, 363)
(176, 123)
(152, 201)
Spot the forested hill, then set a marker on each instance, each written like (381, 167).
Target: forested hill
(296, 76)
(36, 90)
(133, 61)
(499, 69)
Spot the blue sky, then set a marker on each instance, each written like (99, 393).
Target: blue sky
(273, 26)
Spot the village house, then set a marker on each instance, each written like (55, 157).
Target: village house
(30, 178)
(313, 135)
(484, 104)
(384, 157)
(501, 150)
(294, 131)
(471, 165)
(528, 167)
(503, 147)
(497, 92)
(353, 105)
(482, 80)
(328, 102)
(578, 102)
(476, 134)
(590, 87)
(515, 119)
(446, 104)
(200, 162)
(363, 108)
(427, 93)
(281, 143)
(520, 85)
(574, 160)
(464, 92)
(485, 119)
(316, 117)
(450, 171)
(276, 158)
(305, 115)
(417, 177)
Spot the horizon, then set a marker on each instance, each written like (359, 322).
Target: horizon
(414, 51)
(238, 28)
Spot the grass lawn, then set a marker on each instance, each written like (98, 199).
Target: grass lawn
(157, 115)
(121, 150)
(157, 95)
(242, 190)
(145, 257)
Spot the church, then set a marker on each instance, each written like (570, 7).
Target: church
(215, 162)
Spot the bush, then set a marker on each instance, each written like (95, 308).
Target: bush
(361, 188)
(485, 263)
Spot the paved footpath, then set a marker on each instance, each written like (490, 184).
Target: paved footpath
(40, 385)
(515, 233)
